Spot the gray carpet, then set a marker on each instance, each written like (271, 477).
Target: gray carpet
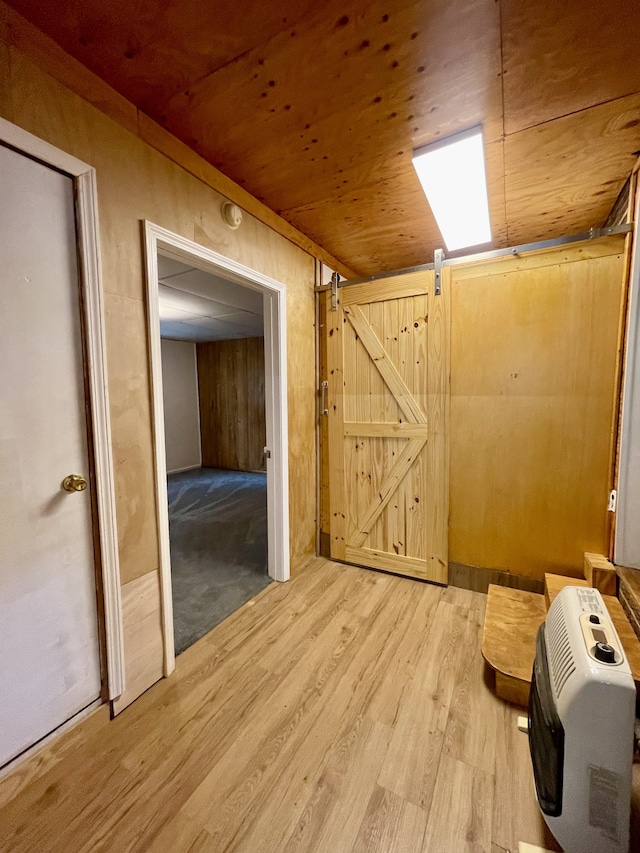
(218, 531)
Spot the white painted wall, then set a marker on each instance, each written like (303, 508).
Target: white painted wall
(181, 409)
(627, 545)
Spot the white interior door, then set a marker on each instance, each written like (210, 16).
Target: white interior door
(49, 647)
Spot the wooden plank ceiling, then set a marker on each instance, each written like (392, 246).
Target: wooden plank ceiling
(315, 108)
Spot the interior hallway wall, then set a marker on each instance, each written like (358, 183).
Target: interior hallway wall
(181, 409)
(136, 182)
(534, 347)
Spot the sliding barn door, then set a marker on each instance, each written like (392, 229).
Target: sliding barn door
(387, 367)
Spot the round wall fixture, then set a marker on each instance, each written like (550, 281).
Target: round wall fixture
(231, 214)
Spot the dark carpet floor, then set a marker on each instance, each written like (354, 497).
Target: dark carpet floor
(218, 532)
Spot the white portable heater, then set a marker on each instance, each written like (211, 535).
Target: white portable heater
(581, 723)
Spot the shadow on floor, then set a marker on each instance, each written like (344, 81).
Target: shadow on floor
(218, 532)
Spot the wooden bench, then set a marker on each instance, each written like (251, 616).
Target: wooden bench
(509, 637)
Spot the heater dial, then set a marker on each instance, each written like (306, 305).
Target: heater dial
(605, 653)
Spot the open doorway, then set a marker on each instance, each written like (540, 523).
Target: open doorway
(217, 344)
(213, 376)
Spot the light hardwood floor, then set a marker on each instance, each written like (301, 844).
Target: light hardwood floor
(344, 711)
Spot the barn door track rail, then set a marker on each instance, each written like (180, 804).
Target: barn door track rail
(439, 260)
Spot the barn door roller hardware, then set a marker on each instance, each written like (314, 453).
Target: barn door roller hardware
(592, 234)
(438, 258)
(335, 281)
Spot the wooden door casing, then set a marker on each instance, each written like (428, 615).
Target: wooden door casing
(388, 400)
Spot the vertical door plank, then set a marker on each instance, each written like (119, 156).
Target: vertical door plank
(338, 511)
(438, 339)
(375, 315)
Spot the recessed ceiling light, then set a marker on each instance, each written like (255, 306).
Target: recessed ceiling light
(453, 177)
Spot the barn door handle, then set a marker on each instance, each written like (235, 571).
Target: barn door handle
(74, 483)
(323, 404)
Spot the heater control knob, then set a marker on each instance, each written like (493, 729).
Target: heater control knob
(605, 653)
(594, 619)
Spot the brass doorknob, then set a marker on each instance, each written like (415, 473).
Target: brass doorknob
(74, 483)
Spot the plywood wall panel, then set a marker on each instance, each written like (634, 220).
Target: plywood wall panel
(142, 637)
(136, 182)
(133, 450)
(6, 102)
(231, 385)
(301, 365)
(532, 385)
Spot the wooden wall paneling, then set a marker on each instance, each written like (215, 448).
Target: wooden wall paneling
(142, 637)
(533, 364)
(130, 425)
(6, 101)
(136, 182)
(232, 414)
(301, 378)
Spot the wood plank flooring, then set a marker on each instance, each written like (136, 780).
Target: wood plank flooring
(343, 712)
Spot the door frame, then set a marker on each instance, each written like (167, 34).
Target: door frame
(95, 363)
(170, 245)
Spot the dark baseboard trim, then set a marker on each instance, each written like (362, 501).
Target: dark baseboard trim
(325, 545)
(478, 579)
